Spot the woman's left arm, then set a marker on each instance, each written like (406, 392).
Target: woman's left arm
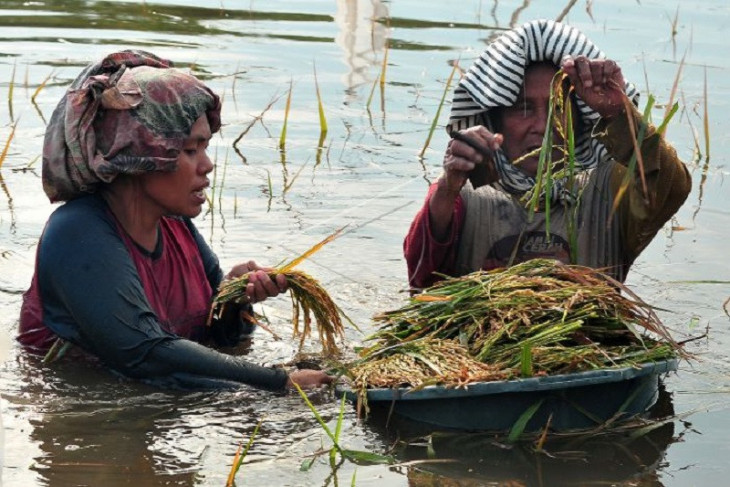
(659, 190)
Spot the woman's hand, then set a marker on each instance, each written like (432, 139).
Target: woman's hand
(461, 158)
(308, 379)
(260, 286)
(598, 82)
(459, 161)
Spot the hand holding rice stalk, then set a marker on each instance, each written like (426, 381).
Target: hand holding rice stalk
(560, 121)
(308, 298)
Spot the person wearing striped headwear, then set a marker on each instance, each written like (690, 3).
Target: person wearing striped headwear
(476, 216)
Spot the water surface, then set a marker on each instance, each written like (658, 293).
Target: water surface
(69, 425)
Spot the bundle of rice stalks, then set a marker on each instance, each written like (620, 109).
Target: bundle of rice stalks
(536, 318)
(416, 364)
(566, 167)
(308, 297)
(423, 362)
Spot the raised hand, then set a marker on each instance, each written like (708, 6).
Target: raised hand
(598, 82)
(466, 150)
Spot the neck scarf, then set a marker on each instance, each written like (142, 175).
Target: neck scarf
(496, 77)
(126, 114)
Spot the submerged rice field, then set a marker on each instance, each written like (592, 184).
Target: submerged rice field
(333, 116)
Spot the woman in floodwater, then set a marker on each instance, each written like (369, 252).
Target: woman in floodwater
(121, 270)
(475, 216)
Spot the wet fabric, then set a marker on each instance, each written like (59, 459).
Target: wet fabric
(490, 228)
(126, 114)
(496, 77)
(146, 321)
(181, 309)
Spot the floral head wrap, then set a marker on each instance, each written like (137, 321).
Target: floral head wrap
(496, 77)
(126, 114)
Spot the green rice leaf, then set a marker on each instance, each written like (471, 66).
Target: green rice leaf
(663, 127)
(434, 123)
(519, 427)
(367, 458)
(306, 465)
(526, 361)
(316, 415)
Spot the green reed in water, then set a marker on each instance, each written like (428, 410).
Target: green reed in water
(6, 148)
(434, 123)
(706, 120)
(240, 456)
(320, 107)
(380, 80)
(322, 120)
(282, 137)
(356, 456)
(11, 88)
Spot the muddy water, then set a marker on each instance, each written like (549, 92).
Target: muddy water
(71, 425)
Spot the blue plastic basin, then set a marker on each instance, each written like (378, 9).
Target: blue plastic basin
(568, 401)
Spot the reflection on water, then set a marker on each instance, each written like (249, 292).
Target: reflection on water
(4, 351)
(82, 426)
(611, 457)
(93, 429)
(361, 35)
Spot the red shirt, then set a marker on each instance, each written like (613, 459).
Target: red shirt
(426, 255)
(172, 276)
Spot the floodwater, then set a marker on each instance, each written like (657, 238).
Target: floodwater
(68, 425)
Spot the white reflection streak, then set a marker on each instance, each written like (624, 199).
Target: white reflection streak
(360, 36)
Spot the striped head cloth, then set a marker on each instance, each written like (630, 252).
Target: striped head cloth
(496, 77)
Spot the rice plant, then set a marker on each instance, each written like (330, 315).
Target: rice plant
(309, 300)
(6, 148)
(35, 95)
(672, 94)
(379, 80)
(356, 456)
(382, 76)
(288, 184)
(322, 121)
(706, 120)
(240, 456)
(636, 162)
(11, 89)
(257, 118)
(320, 106)
(538, 317)
(40, 87)
(434, 123)
(282, 137)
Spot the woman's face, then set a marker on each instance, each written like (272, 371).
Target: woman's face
(523, 124)
(182, 192)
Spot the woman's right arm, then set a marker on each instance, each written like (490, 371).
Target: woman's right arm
(430, 244)
(424, 253)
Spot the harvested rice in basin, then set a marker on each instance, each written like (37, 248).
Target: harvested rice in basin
(540, 317)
